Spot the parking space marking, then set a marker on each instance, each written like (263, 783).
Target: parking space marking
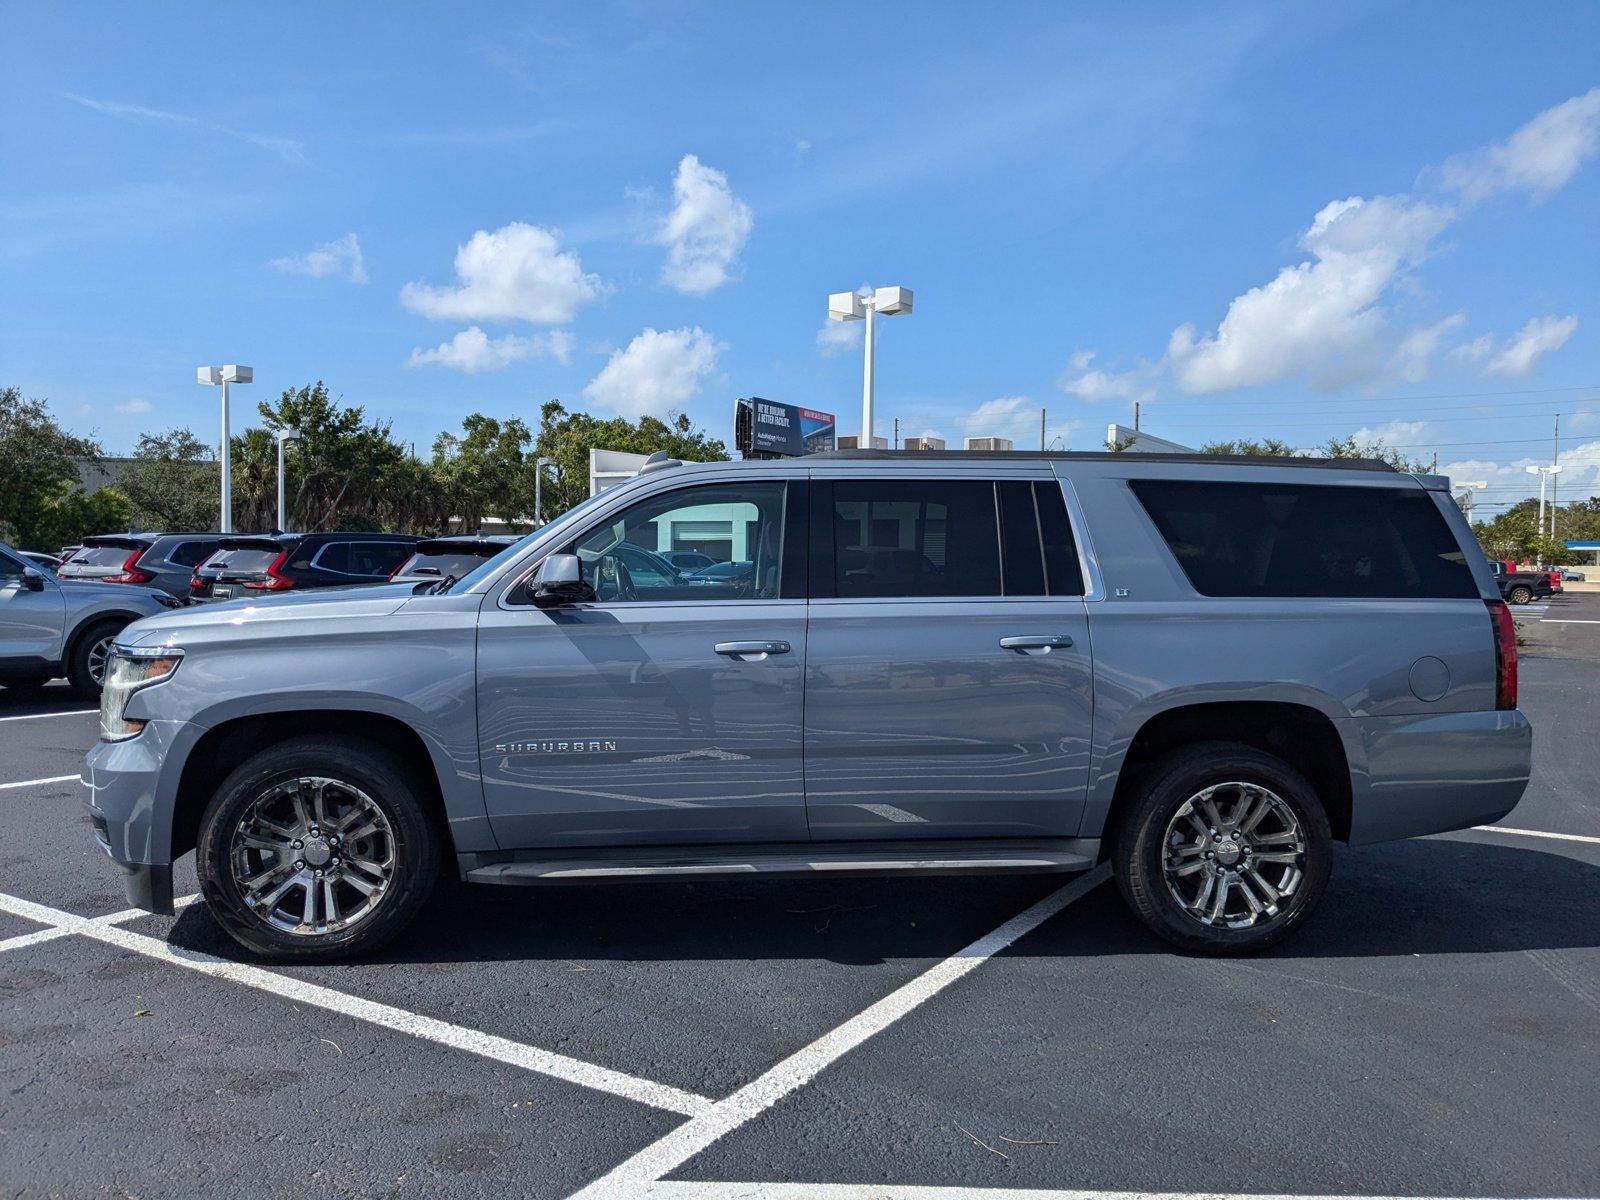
(485, 1045)
(76, 712)
(1565, 621)
(877, 1191)
(59, 931)
(1539, 833)
(635, 1176)
(38, 782)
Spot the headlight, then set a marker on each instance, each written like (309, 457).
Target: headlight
(127, 672)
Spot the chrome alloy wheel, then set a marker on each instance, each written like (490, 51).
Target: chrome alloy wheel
(312, 856)
(1233, 855)
(100, 658)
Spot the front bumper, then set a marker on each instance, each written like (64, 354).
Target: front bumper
(131, 813)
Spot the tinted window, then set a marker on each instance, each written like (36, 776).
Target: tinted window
(103, 556)
(441, 565)
(1250, 539)
(1021, 553)
(914, 537)
(623, 560)
(189, 554)
(1062, 569)
(248, 561)
(376, 558)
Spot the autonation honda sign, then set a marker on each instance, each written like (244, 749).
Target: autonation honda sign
(769, 427)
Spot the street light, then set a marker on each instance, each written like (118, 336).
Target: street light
(538, 490)
(211, 376)
(1543, 473)
(284, 435)
(1466, 488)
(851, 306)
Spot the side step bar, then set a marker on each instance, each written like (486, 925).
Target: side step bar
(1009, 858)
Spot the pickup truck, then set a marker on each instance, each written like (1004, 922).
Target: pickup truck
(1520, 587)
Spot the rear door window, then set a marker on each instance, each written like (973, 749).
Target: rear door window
(376, 558)
(1307, 540)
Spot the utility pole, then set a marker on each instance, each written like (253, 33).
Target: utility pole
(1555, 480)
(895, 445)
(1041, 429)
(1136, 416)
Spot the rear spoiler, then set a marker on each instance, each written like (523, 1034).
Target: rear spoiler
(253, 543)
(120, 541)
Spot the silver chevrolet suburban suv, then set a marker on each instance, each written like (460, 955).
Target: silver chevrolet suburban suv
(1204, 670)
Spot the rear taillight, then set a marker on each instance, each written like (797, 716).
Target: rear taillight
(1505, 654)
(196, 583)
(274, 582)
(129, 574)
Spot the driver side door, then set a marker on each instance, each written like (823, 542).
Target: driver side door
(30, 621)
(663, 710)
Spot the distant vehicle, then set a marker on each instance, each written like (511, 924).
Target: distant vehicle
(1203, 671)
(1520, 587)
(67, 552)
(688, 561)
(159, 560)
(1556, 576)
(48, 563)
(279, 562)
(740, 574)
(451, 557)
(50, 628)
(1572, 576)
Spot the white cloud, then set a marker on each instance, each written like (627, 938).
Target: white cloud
(133, 406)
(341, 257)
(515, 273)
(1017, 418)
(1518, 358)
(839, 337)
(472, 350)
(656, 372)
(1413, 357)
(1540, 157)
(705, 231)
(1094, 385)
(285, 148)
(1580, 474)
(1395, 433)
(1326, 319)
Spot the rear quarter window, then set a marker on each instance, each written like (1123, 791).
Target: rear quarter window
(1307, 540)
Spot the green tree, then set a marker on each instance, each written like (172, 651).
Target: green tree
(1267, 446)
(73, 516)
(172, 481)
(38, 467)
(565, 438)
(486, 470)
(342, 467)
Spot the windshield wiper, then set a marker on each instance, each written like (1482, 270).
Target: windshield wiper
(444, 585)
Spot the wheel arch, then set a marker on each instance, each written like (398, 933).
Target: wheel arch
(81, 627)
(1303, 734)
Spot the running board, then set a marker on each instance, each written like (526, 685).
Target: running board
(1009, 858)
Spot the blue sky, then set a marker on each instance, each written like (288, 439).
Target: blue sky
(454, 208)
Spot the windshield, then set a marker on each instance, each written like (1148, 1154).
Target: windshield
(471, 580)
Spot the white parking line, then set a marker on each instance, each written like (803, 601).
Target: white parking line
(1538, 833)
(485, 1045)
(58, 931)
(636, 1177)
(877, 1191)
(37, 782)
(1565, 621)
(76, 712)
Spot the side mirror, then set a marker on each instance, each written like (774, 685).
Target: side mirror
(559, 580)
(32, 580)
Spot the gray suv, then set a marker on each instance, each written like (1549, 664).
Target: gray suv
(50, 627)
(153, 560)
(1204, 670)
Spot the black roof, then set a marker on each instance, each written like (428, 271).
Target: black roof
(1235, 460)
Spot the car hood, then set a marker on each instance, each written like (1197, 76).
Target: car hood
(322, 605)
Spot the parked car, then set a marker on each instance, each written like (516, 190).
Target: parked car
(45, 562)
(1520, 587)
(260, 564)
(1556, 584)
(50, 627)
(67, 552)
(1204, 671)
(437, 559)
(688, 561)
(1572, 576)
(159, 560)
(741, 574)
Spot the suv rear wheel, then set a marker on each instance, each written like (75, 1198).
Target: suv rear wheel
(1224, 850)
(1521, 594)
(317, 848)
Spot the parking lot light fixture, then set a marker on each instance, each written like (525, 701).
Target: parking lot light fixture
(1544, 473)
(852, 306)
(283, 435)
(539, 465)
(211, 377)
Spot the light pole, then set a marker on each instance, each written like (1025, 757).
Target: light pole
(1466, 488)
(1543, 473)
(850, 306)
(211, 376)
(284, 435)
(538, 491)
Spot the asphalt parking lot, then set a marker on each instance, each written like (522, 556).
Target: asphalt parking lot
(1435, 1031)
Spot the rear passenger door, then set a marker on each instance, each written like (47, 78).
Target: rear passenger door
(948, 673)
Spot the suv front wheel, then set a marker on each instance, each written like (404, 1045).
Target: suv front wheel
(317, 848)
(1223, 850)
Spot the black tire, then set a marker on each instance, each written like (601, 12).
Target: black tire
(1521, 594)
(1139, 847)
(352, 763)
(80, 669)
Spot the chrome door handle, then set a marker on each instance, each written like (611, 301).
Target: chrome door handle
(757, 650)
(1036, 641)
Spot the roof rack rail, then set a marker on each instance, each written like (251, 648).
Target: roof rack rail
(1251, 460)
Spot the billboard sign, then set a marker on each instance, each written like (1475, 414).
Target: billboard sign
(771, 427)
